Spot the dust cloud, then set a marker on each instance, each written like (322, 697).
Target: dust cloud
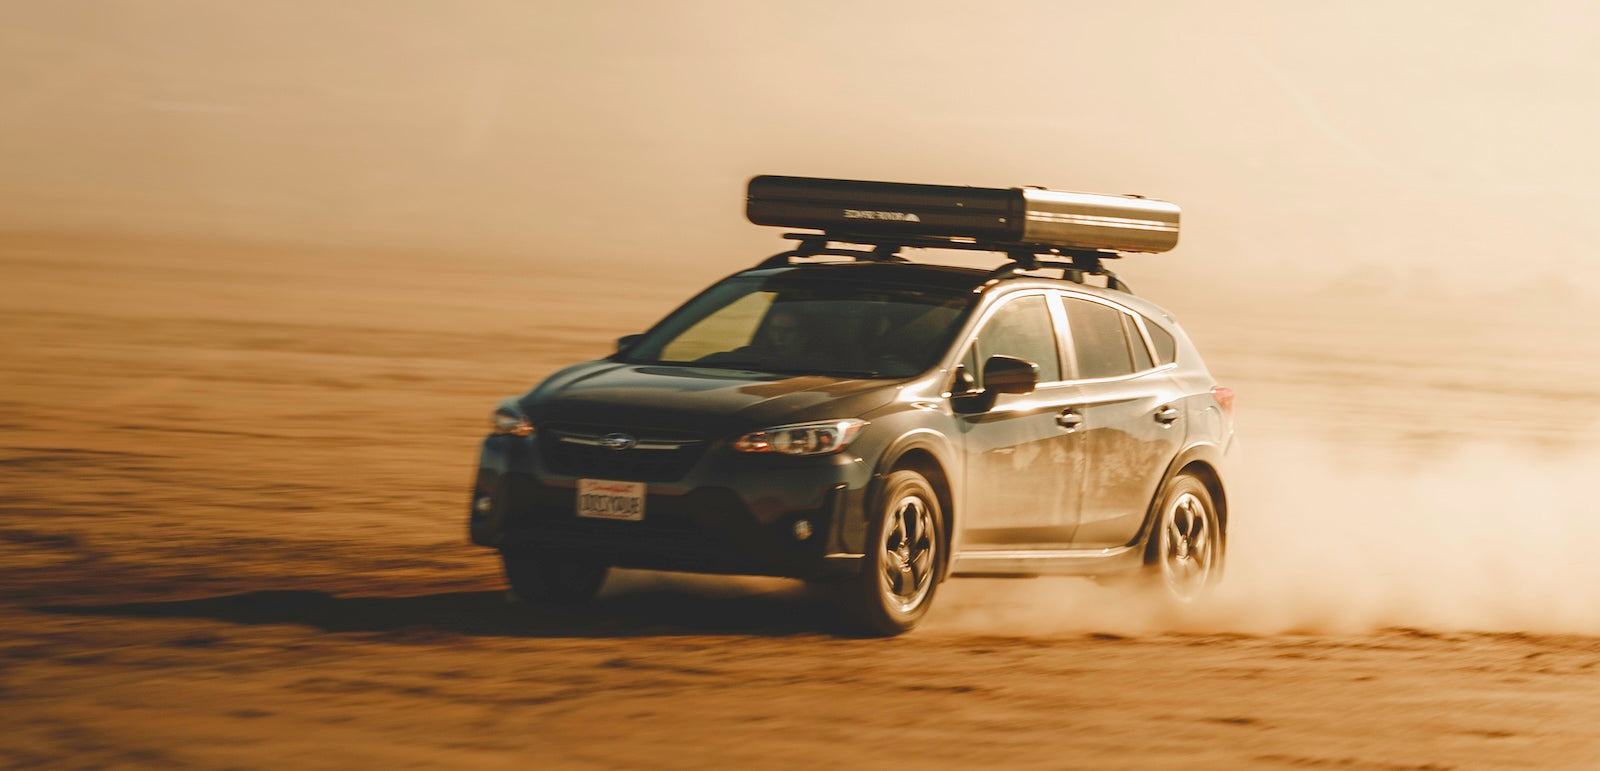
(1485, 537)
(264, 268)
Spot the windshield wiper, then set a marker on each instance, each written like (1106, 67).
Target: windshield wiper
(861, 373)
(757, 366)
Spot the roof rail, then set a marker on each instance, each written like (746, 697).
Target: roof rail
(1077, 264)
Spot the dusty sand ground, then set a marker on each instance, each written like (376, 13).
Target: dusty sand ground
(232, 489)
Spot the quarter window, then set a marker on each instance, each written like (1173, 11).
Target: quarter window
(1022, 328)
(1166, 346)
(1099, 339)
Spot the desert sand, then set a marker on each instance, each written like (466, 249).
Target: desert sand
(232, 498)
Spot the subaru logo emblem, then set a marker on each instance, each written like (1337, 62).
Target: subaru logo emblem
(618, 442)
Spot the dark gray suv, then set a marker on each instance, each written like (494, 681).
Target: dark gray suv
(875, 425)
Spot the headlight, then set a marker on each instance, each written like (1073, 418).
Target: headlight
(802, 438)
(506, 420)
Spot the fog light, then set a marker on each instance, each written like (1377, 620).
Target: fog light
(482, 505)
(802, 529)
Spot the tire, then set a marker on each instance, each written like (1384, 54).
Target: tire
(1185, 556)
(905, 559)
(560, 579)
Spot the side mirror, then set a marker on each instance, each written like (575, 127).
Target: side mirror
(1009, 375)
(626, 341)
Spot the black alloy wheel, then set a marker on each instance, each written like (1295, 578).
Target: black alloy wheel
(1186, 549)
(904, 560)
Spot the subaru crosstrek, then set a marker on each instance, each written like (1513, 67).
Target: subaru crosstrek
(874, 425)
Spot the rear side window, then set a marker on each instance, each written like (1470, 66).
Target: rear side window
(1166, 347)
(1099, 339)
(1022, 328)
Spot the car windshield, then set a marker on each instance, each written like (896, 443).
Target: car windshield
(789, 326)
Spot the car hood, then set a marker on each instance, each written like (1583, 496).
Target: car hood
(696, 400)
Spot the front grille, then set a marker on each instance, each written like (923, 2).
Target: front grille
(705, 530)
(652, 457)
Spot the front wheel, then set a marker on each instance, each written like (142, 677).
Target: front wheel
(563, 579)
(1186, 549)
(904, 560)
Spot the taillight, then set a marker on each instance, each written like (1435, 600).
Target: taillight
(1224, 397)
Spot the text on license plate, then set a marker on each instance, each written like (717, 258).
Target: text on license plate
(604, 499)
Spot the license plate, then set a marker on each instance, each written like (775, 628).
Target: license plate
(604, 499)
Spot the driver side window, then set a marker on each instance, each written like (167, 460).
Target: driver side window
(1021, 328)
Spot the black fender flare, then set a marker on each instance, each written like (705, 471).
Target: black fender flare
(1211, 455)
(944, 454)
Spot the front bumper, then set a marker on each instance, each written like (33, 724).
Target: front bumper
(730, 512)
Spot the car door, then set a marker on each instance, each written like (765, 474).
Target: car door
(1133, 420)
(1023, 462)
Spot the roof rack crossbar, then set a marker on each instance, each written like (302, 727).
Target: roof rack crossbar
(1074, 270)
(1077, 264)
(814, 246)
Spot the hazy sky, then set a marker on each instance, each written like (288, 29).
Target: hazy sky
(1298, 136)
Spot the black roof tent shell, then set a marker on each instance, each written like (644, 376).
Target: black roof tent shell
(1008, 219)
(1024, 223)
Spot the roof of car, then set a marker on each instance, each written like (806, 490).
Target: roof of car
(895, 273)
(944, 277)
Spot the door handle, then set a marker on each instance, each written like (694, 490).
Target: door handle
(1166, 416)
(1069, 419)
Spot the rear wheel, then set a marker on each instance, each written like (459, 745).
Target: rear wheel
(1185, 557)
(904, 560)
(563, 579)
